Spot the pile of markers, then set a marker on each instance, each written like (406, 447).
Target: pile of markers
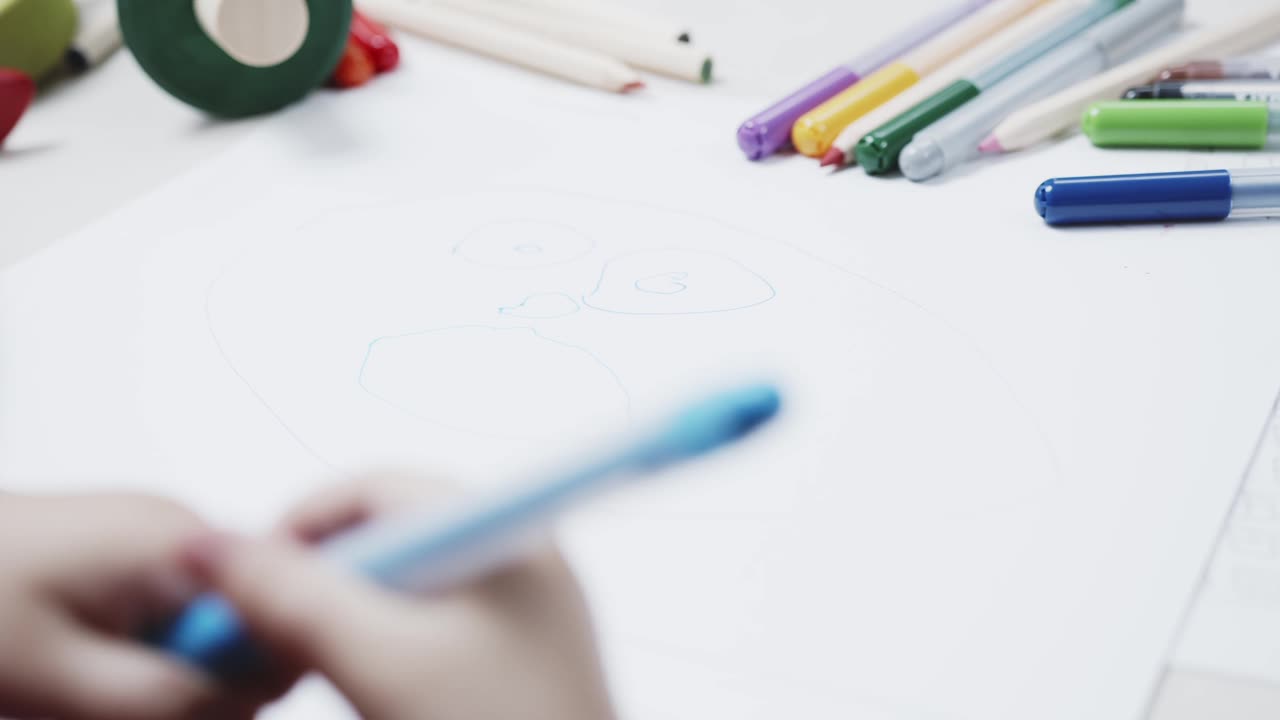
(597, 44)
(999, 76)
(370, 51)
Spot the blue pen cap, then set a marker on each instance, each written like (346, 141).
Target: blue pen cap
(1155, 197)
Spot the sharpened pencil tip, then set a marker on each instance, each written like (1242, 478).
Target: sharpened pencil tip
(990, 145)
(834, 156)
(633, 86)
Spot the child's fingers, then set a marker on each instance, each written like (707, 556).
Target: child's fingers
(95, 676)
(351, 504)
(311, 615)
(294, 600)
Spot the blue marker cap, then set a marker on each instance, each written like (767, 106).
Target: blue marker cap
(716, 421)
(1155, 197)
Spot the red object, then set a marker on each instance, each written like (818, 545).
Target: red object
(355, 68)
(16, 92)
(376, 41)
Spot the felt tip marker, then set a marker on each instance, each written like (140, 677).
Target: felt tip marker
(1182, 124)
(97, 38)
(448, 547)
(1048, 117)
(770, 130)
(1039, 21)
(878, 152)
(1242, 68)
(814, 132)
(1160, 197)
(954, 139)
(376, 41)
(1267, 91)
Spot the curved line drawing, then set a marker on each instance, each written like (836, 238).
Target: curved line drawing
(1034, 422)
(679, 278)
(364, 365)
(527, 253)
(542, 306)
(674, 280)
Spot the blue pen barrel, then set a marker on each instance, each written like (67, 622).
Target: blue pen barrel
(436, 550)
(1155, 197)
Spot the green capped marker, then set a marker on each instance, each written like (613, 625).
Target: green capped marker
(1182, 124)
(878, 152)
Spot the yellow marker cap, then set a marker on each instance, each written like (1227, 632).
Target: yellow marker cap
(814, 132)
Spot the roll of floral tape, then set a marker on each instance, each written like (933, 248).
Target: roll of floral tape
(234, 58)
(34, 34)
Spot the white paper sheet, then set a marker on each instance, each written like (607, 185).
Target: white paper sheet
(1005, 453)
(1235, 624)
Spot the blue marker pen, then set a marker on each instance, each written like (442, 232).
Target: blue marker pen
(1160, 197)
(451, 546)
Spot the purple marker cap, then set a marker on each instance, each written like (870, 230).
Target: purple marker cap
(770, 130)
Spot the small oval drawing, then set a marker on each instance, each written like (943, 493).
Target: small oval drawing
(524, 244)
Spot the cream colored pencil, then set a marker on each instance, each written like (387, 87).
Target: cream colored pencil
(1041, 121)
(620, 16)
(643, 51)
(504, 42)
(1011, 38)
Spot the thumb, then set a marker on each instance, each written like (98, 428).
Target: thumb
(304, 610)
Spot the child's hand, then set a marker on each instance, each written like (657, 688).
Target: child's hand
(517, 645)
(80, 577)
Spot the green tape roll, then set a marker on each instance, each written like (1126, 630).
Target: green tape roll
(169, 42)
(34, 34)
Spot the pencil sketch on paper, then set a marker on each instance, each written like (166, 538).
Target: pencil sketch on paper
(676, 282)
(526, 243)
(542, 306)
(515, 385)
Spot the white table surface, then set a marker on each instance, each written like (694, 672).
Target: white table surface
(95, 143)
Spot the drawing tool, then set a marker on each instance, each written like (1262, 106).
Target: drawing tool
(356, 67)
(678, 60)
(16, 91)
(1052, 115)
(878, 152)
(448, 547)
(96, 39)
(954, 139)
(1253, 68)
(505, 43)
(1160, 197)
(1260, 90)
(621, 17)
(814, 131)
(234, 58)
(34, 34)
(376, 41)
(1182, 124)
(1002, 43)
(769, 130)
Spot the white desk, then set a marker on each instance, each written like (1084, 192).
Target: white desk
(95, 143)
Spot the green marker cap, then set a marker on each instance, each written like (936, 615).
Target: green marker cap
(878, 152)
(1181, 124)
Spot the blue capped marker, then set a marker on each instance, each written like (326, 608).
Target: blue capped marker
(1160, 197)
(447, 547)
